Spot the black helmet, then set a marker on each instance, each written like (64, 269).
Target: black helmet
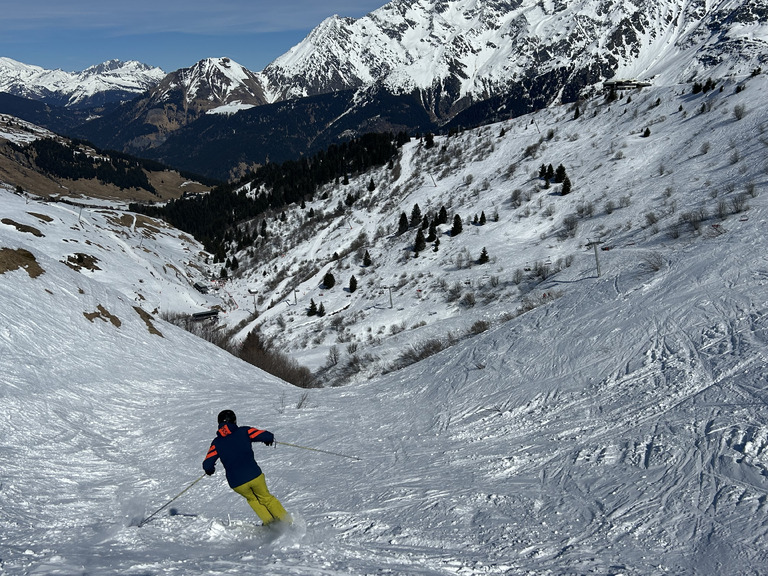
(227, 416)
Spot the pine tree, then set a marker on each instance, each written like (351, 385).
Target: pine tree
(234, 265)
(420, 243)
(483, 257)
(352, 284)
(457, 227)
(432, 234)
(550, 173)
(442, 216)
(429, 140)
(366, 259)
(371, 186)
(560, 174)
(321, 310)
(402, 226)
(312, 308)
(566, 186)
(436, 246)
(328, 280)
(482, 219)
(415, 216)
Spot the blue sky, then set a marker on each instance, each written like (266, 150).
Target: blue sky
(172, 34)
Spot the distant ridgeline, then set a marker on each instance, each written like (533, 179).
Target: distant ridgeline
(209, 217)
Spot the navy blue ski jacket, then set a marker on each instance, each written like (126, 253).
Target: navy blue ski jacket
(233, 446)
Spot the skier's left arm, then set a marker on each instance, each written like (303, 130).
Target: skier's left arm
(257, 435)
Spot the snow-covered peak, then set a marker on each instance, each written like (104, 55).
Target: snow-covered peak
(216, 81)
(473, 48)
(114, 77)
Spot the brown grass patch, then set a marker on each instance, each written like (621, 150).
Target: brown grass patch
(11, 259)
(79, 261)
(23, 227)
(43, 217)
(149, 226)
(147, 317)
(104, 314)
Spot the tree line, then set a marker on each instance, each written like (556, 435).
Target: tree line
(208, 217)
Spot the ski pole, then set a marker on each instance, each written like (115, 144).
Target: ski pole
(179, 495)
(318, 450)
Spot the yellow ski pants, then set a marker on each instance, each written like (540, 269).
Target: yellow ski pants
(266, 506)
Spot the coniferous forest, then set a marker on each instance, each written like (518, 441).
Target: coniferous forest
(208, 217)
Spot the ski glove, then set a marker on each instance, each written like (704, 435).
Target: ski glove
(210, 472)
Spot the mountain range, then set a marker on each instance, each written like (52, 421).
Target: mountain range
(111, 81)
(424, 66)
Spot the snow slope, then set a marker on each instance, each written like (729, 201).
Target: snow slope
(618, 426)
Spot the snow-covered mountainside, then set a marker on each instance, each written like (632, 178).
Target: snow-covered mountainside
(577, 424)
(461, 51)
(110, 81)
(211, 83)
(427, 66)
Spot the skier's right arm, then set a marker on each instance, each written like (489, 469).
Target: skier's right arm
(209, 464)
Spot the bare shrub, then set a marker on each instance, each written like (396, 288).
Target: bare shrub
(739, 203)
(541, 270)
(255, 352)
(531, 151)
(723, 210)
(570, 225)
(585, 209)
(420, 351)
(739, 111)
(454, 292)
(694, 218)
(303, 401)
(469, 300)
(479, 327)
(652, 261)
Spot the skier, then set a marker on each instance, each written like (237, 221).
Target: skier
(233, 445)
